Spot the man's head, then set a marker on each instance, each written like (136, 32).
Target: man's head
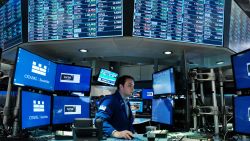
(125, 85)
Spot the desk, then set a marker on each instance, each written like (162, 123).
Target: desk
(141, 120)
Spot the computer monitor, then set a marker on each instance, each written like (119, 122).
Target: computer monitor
(72, 78)
(107, 77)
(241, 69)
(136, 106)
(34, 71)
(163, 82)
(242, 115)
(162, 110)
(147, 93)
(35, 110)
(67, 108)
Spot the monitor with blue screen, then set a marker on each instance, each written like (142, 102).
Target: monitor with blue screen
(35, 110)
(34, 71)
(147, 93)
(108, 77)
(163, 82)
(241, 69)
(136, 106)
(72, 78)
(162, 110)
(242, 114)
(66, 109)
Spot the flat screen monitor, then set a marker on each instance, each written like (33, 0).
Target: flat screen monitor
(239, 31)
(35, 110)
(61, 20)
(241, 69)
(199, 22)
(147, 93)
(162, 110)
(72, 78)
(11, 24)
(136, 106)
(163, 82)
(242, 114)
(34, 71)
(107, 77)
(66, 109)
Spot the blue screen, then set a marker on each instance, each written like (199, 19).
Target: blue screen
(35, 109)
(242, 114)
(107, 77)
(72, 78)
(162, 110)
(136, 106)
(147, 93)
(66, 109)
(163, 82)
(35, 71)
(241, 67)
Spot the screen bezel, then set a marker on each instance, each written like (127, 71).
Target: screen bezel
(29, 86)
(39, 126)
(109, 71)
(71, 65)
(234, 116)
(155, 95)
(232, 62)
(55, 125)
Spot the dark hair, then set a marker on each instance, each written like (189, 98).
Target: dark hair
(121, 80)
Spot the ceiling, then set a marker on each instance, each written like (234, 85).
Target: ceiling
(128, 50)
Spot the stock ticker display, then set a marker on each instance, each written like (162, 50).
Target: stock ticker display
(195, 21)
(73, 19)
(239, 35)
(10, 24)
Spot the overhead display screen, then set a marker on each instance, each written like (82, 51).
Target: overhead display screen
(10, 24)
(73, 19)
(239, 35)
(195, 21)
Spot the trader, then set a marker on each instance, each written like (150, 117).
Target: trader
(115, 110)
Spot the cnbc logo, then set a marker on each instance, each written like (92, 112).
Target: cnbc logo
(39, 68)
(38, 106)
(70, 78)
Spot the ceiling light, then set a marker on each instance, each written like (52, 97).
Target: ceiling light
(220, 62)
(168, 52)
(83, 50)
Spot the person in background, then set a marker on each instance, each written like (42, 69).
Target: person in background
(115, 112)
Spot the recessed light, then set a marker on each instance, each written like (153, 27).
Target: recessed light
(220, 62)
(83, 50)
(168, 52)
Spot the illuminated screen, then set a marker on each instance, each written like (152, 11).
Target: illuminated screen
(108, 77)
(241, 69)
(35, 109)
(66, 109)
(147, 93)
(10, 24)
(33, 70)
(242, 114)
(60, 20)
(136, 106)
(163, 82)
(162, 110)
(200, 22)
(239, 35)
(72, 78)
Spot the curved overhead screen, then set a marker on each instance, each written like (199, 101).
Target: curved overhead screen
(239, 35)
(10, 24)
(73, 19)
(194, 21)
